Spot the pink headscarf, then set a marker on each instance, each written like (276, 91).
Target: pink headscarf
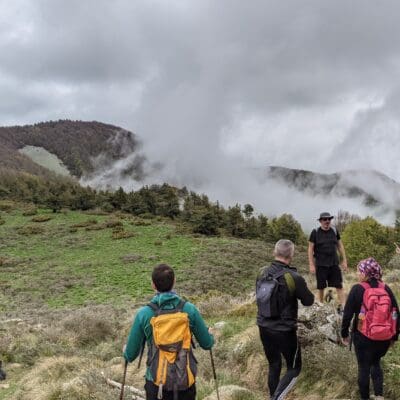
(370, 268)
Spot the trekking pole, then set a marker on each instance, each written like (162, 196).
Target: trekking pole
(141, 352)
(351, 341)
(214, 373)
(123, 381)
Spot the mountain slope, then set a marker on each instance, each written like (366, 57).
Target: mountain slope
(372, 187)
(75, 143)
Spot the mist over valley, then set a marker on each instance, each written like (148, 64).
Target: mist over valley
(106, 157)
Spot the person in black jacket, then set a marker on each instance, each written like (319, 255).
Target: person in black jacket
(323, 247)
(368, 352)
(279, 333)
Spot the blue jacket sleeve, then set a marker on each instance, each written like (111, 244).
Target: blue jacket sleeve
(135, 339)
(200, 330)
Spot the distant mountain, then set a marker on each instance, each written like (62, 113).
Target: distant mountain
(372, 187)
(81, 146)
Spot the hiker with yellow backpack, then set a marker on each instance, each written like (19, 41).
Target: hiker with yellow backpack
(375, 325)
(166, 324)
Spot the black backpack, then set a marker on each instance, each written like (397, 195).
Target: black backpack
(268, 293)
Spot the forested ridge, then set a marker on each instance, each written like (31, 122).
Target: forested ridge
(76, 143)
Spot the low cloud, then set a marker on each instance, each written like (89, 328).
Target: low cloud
(214, 89)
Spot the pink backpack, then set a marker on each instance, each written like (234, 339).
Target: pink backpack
(377, 313)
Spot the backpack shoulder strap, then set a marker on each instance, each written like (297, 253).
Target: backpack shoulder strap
(278, 274)
(181, 304)
(262, 273)
(381, 285)
(316, 230)
(291, 284)
(159, 311)
(365, 285)
(334, 230)
(155, 308)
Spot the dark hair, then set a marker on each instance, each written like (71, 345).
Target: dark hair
(163, 277)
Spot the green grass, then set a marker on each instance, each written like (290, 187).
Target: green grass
(63, 266)
(47, 277)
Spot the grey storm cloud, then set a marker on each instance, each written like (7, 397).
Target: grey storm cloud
(213, 88)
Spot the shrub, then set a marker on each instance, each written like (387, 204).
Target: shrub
(7, 205)
(84, 224)
(394, 263)
(131, 258)
(207, 223)
(41, 218)
(97, 227)
(140, 222)
(29, 211)
(113, 223)
(121, 234)
(9, 262)
(96, 211)
(367, 238)
(286, 227)
(30, 230)
(89, 329)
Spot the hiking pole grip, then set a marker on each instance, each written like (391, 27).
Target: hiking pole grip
(123, 381)
(214, 373)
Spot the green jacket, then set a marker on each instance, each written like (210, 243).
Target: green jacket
(141, 328)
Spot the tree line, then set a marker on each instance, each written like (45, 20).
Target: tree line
(197, 211)
(362, 237)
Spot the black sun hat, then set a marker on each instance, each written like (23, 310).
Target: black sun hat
(325, 215)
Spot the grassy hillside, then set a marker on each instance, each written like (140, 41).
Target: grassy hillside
(70, 283)
(75, 259)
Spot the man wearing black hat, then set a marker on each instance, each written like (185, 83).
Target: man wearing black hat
(323, 247)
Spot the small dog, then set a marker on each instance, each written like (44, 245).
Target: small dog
(2, 373)
(329, 296)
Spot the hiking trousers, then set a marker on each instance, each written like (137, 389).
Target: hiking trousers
(152, 392)
(369, 353)
(277, 344)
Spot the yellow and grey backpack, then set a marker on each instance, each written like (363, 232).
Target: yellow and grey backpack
(171, 359)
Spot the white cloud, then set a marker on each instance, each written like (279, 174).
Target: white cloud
(213, 87)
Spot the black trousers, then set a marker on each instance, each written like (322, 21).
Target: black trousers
(277, 344)
(369, 354)
(152, 391)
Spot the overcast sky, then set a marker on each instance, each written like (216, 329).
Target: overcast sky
(217, 85)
